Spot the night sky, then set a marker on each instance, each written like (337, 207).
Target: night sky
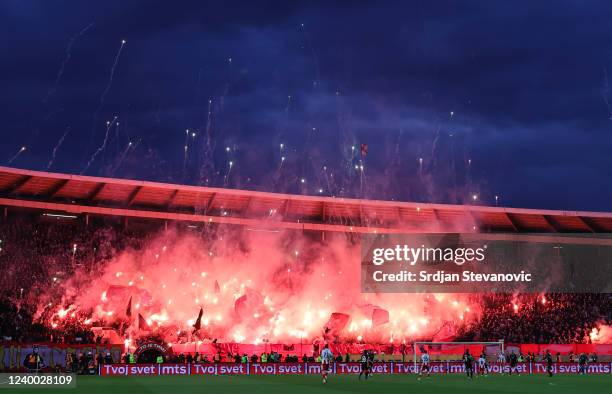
(496, 98)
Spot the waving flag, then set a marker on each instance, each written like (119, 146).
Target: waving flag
(249, 303)
(128, 311)
(337, 321)
(198, 323)
(142, 323)
(379, 316)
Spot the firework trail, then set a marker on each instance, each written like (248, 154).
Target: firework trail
(207, 165)
(196, 98)
(605, 92)
(227, 175)
(117, 138)
(315, 59)
(434, 147)
(282, 126)
(453, 166)
(106, 90)
(109, 125)
(209, 123)
(67, 56)
(362, 178)
(186, 148)
(288, 104)
(281, 149)
(57, 146)
(227, 84)
(329, 187)
(21, 150)
(122, 157)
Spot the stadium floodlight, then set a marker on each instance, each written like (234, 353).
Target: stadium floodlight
(490, 348)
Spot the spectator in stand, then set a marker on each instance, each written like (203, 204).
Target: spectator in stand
(550, 318)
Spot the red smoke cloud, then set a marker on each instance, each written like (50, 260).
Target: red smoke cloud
(252, 286)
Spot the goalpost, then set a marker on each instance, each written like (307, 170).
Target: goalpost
(416, 348)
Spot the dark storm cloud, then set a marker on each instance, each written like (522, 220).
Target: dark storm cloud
(524, 80)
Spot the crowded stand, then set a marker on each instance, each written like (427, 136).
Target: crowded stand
(37, 256)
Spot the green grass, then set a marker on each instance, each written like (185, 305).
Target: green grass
(311, 384)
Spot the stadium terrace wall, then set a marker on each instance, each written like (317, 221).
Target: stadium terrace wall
(336, 368)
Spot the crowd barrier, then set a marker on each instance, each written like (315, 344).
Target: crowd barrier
(385, 368)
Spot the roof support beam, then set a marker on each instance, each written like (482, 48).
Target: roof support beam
(590, 224)
(95, 191)
(361, 217)
(513, 222)
(552, 223)
(323, 213)
(171, 200)
(436, 214)
(247, 206)
(285, 208)
(59, 185)
(209, 204)
(133, 195)
(14, 188)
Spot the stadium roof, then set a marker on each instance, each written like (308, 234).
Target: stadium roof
(56, 193)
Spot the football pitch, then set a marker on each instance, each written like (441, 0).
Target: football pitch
(298, 384)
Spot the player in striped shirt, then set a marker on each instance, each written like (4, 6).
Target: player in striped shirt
(425, 363)
(326, 359)
(482, 364)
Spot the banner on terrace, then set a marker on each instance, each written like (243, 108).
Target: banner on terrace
(337, 368)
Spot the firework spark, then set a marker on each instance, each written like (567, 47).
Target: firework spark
(57, 146)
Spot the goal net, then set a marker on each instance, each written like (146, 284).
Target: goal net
(453, 351)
